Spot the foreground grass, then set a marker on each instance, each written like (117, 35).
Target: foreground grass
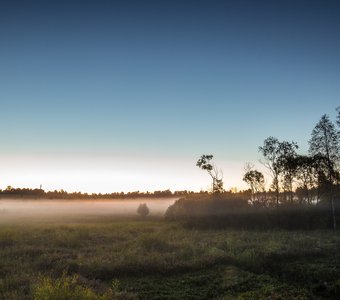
(102, 258)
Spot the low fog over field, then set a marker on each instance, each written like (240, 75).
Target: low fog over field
(18, 207)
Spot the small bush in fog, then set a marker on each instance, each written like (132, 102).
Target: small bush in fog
(143, 210)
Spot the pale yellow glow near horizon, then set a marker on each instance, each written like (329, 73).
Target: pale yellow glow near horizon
(111, 173)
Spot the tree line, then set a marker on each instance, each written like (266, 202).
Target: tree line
(304, 179)
(24, 193)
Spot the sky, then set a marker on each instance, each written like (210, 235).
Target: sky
(106, 96)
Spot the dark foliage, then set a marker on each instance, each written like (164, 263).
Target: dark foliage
(143, 210)
(217, 213)
(204, 205)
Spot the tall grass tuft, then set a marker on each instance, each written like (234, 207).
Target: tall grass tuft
(69, 288)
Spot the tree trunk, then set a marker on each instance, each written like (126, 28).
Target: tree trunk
(333, 209)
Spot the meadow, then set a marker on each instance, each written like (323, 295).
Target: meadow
(111, 257)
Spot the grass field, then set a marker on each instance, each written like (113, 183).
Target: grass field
(91, 257)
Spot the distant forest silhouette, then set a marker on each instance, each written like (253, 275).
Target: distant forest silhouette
(11, 192)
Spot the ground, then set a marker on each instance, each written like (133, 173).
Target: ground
(111, 258)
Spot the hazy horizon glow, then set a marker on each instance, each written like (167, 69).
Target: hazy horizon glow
(107, 173)
(126, 95)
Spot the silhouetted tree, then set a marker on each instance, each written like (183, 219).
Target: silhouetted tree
(271, 152)
(287, 164)
(279, 159)
(216, 175)
(324, 142)
(255, 180)
(306, 175)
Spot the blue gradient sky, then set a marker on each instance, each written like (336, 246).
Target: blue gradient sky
(152, 85)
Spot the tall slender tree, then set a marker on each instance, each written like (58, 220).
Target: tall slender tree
(306, 175)
(279, 159)
(216, 175)
(288, 165)
(270, 152)
(324, 143)
(255, 180)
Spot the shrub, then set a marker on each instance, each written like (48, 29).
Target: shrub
(205, 205)
(226, 211)
(66, 288)
(143, 210)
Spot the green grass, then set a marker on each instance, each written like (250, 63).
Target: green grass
(102, 258)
